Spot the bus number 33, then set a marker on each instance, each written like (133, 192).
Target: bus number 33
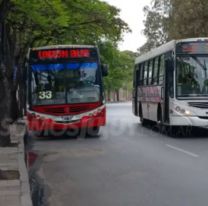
(45, 95)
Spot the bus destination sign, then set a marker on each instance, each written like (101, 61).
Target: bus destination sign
(192, 47)
(54, 54)
(63, 54)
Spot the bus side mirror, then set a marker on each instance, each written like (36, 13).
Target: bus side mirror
(104, 68)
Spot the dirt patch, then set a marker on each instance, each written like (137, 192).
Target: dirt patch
(9, 175)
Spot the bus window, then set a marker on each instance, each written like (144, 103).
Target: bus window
(137, 76)
(146, 73)
(150, 71)
(155, 71)
(135, 80)
(153, 63)
(169, 77)
(141, 74)
(161, 70)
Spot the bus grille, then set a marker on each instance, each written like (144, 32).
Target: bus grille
(202, 105)
(75, 109)
(55, 110)
(66, 109)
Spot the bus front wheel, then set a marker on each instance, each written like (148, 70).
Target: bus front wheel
(93, 132)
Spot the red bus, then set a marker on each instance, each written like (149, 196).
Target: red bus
(65, 89)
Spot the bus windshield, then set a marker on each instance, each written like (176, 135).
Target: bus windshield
(62, 83)
(192, 76)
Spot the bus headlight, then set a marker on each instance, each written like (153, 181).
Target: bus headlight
(182, 111)
(187, 112)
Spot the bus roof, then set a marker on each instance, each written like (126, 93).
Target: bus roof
(62, 47)
(165, 48)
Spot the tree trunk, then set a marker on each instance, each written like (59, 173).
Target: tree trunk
(6, 84)
(4, 111)
(109, 95)
(114, 96)
(21, 88)
(117, 95)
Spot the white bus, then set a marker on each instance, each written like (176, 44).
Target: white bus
(170, 84)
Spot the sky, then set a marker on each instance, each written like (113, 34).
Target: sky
(132, 13)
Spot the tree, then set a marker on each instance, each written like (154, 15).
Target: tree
(25, 24)
(187, 19)
(120, 69)
(156, 24)
(174, 19)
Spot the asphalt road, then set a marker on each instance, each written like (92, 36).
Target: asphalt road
(129, 165)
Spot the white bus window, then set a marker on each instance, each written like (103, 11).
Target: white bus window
(150, 71)
(141, 74)
(137, 75)
(162, 69)
(145, 73)
(155, 71)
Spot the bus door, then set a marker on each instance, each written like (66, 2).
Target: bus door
(134, 93)
(168, 85)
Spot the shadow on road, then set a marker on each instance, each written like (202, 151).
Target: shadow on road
(65, 136)
(178, 132)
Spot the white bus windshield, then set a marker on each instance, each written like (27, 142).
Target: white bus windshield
(192, 76)
(62, 83)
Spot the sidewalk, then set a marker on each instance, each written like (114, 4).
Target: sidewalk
(14, 183)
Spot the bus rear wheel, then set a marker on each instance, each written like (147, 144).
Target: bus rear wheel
(144, 122)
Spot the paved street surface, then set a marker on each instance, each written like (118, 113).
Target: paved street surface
(129, 165)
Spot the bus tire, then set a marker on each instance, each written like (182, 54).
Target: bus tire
(93, 132)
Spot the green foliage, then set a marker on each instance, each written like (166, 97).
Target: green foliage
(92, 21)
(59, 22)
(121, 64)
(174, 19)
(189, 17)
(155, 24)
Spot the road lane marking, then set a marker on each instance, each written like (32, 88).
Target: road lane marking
(182, 150)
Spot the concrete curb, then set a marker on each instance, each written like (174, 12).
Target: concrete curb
(24, 179)
(25, 199)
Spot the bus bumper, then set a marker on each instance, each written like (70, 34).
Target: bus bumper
(193, 121)
(42, 122)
